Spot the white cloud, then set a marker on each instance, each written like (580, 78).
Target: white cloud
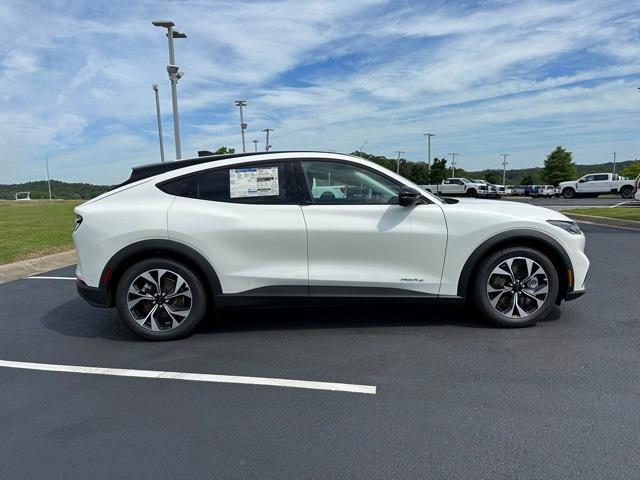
(328, 74)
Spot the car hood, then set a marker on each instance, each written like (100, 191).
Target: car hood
(515, 210)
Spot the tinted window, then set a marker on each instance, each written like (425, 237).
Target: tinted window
(602, 177)
(245, 183)
(589, 178)
(338, 183)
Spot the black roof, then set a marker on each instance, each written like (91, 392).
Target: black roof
(152, 169)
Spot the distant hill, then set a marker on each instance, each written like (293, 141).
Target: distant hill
(59, 190)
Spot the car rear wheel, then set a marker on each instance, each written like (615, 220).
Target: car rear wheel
(626, 192)
(472, 192)
(161, 299)
(516, 287)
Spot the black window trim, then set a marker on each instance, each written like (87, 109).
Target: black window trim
(304, 191)
(290, 179)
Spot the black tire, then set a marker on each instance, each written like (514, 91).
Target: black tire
(568, 193)
(472, 192)
(197, 303)
(480, 297)
(626, 192)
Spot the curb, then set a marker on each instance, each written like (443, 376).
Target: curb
(608, 222)
(26, 268)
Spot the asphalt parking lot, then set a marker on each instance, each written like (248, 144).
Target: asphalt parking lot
(454, 396)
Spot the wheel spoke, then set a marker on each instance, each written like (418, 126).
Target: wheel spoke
(135, 301)
(497, 298)
(539, 302)
(492, 289)
(149, 278)
(174, 320)
(142, 321)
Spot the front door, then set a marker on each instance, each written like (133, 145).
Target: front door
(361, 242)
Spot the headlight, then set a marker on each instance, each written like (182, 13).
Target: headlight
(570, 227)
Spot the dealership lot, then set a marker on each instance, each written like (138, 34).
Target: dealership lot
(454, 397)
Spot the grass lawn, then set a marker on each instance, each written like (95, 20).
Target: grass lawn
(624, 213)
(32, 228)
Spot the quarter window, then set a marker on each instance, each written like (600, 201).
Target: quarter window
(339, 183)
(244, 183)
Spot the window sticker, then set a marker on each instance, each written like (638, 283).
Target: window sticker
(253, 182)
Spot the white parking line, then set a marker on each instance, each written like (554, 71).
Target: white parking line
(621, 203)
(194, 377)
(51, 278)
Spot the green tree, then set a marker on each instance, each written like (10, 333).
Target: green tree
(224, 150)
(558, 166)
(632, 171)
(491, 177)
(438, 170)
(526, 180)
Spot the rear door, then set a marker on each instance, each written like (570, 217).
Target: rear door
(365, 243)
(246, 219)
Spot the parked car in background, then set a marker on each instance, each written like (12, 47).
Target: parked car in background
(458, 186)
(637, 194)
(595, 184)
(543, 191)
(509, 190)
(492, 190)
(519, 190)
(181, 239)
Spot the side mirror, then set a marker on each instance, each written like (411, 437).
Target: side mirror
(408, 197)
(581, 180)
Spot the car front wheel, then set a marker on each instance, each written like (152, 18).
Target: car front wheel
(516, 287)
(161, 299)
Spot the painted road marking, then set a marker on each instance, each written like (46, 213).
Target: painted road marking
(51, 278)
(194, 377)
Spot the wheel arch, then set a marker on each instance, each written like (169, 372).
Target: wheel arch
(141, 250)
(520, 238)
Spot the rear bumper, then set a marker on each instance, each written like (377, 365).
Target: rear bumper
(95, 296)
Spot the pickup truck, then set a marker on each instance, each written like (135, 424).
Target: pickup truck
(594, 184)
(457, 186)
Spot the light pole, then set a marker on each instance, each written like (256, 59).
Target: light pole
(453, 163)
(504, 168)
(399, 152)
(155, 89)
(614, 163)
(255, 144)
(267, 147)
(243, 126)
(48, 178)
(428, 135)
(362, 146)
(174, 75)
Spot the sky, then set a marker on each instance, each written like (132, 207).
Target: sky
(486, 77)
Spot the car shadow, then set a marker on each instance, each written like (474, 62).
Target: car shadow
(77, 319)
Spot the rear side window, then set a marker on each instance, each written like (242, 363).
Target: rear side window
(602, 177)
(245, 183)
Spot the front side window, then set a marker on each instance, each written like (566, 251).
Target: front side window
(589, 178)
(339, 183)
(244, 183)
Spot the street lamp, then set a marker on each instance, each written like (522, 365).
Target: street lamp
(453, 164)
(267, 147)
(429, 135)
(362, 147)
(155, 89)
(255, 144)
(243, 126)
(174, 75)
(399, 152)
(504, 168)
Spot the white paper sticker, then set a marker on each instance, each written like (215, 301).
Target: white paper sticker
(253, 182)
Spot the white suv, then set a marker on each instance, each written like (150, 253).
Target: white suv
(221, 231)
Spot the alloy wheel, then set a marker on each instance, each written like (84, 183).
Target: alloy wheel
(159, 300)
(517, 287)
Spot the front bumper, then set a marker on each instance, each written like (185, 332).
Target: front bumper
(94, 295)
